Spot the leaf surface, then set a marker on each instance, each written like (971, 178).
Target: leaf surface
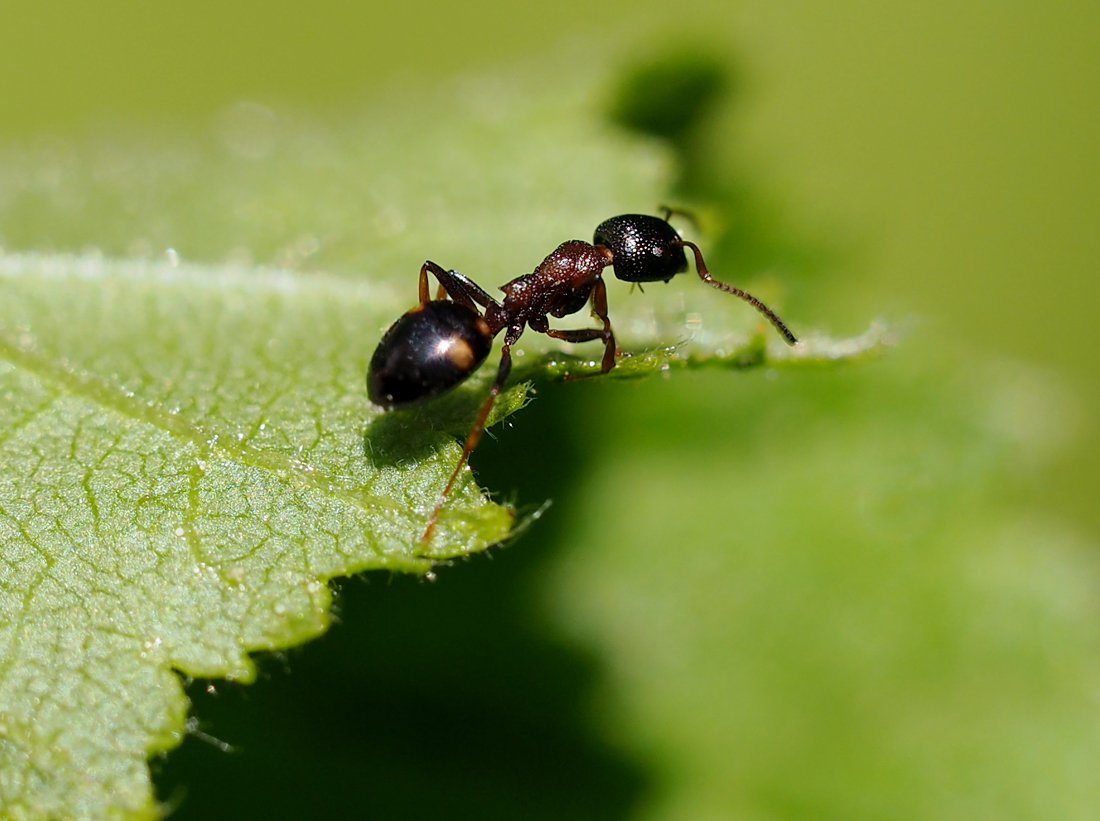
(187, 454)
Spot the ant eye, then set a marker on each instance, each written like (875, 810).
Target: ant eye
(643, 248)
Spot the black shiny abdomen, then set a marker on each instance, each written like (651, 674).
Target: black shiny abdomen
(644, 248)
(426, 352)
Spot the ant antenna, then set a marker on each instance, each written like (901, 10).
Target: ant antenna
(669, 212)
(704, 274)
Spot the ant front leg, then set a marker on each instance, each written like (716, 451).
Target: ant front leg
(458, 287)
(599, 308)
(479, 426)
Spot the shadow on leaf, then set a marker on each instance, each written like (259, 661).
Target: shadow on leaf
(426, 701)
(413, 434)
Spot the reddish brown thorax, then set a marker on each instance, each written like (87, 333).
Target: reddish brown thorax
(560, 285)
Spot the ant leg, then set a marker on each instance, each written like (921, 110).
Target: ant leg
(458, 294)
(478, 428)
(424, 282)
(458, 287)
(599, 308)
(704, 274)
(586, 335)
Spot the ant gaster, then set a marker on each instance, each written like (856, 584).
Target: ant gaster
(441, 342)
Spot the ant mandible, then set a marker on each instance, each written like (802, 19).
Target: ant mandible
(441, 342)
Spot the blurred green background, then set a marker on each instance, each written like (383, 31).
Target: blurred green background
(665, 642)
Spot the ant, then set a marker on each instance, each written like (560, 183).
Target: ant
(442, 341)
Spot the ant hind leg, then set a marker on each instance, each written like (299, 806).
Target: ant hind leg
(478, 428)
(458, 287)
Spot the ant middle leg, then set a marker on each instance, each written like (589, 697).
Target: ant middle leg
(478, 428)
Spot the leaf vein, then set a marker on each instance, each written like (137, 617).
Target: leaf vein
(69, 380)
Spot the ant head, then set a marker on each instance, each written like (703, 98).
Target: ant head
(643, 248)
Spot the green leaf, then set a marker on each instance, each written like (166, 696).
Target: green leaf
(184, 467)
(187, 451)
(833, 595)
